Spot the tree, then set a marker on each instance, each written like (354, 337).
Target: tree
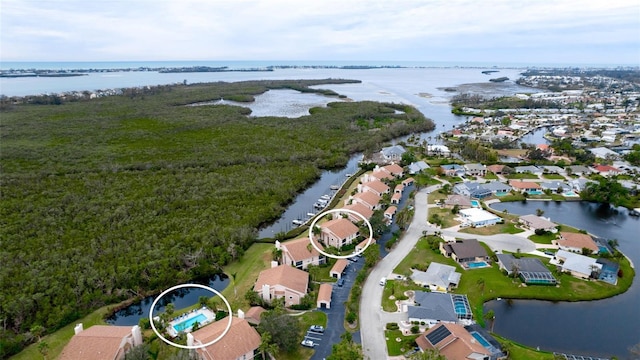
(455, 209)
(43, 348)
(539, 212)
(606, 191)
(267, 346)
(37, 331)
(140, 352)
(428, 354)
(183, 354)
(346, 350)
(490, 316)
(282, 328)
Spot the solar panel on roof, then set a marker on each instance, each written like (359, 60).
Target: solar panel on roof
(438, 335)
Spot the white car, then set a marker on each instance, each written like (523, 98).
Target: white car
(307, 343)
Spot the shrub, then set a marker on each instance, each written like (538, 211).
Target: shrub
(393, 326)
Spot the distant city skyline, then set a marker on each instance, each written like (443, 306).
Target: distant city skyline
(499, 31)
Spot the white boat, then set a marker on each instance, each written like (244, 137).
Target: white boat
(347, 175)
(325, 197)
(297, 222)
(310, 214)
(334, 187)
(319, 206)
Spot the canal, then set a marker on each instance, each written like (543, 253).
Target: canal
(606, 327)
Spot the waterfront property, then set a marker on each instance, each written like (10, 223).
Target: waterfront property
(576, 242)
(530, 270)
(580, 266)
(185, 322)
(438, 277)
(240, 342)
(453, 342)
(101, 342)
(529, 187)
(392, 153)
(535, 222)
(461, 201)
(376, 186)
(476, 217)
(433, 307)
(299, 253)
(464, 250)
(338, 232)
(361, 209)
(367, 198)
(497, 188)
(282, 281)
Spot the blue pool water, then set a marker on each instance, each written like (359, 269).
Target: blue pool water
(535, 192)
(481, 340)
(477, 264)
(570, 193)
(502, 193)
(475, 203)
(188, 324)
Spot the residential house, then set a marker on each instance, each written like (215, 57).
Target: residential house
(338, 268)
(254, 314)
(580, 266)
(530, 270)
(438, 277)
(408, 182)
(390, 212)
(462, 201)
(579, 185)
(535, 222)
(434, 307)
(394, 169)
(398, 189)
(453, 342)
(367, 198)
(377, 187)
(418, 167)
(575, 242)
(606, 170)
(472, 189)
(529, 187)
(530, 169)
(396, 198)
(464, 250)
(477, 217)
(299, 253)
(475, 169)
(324, 296)
(497, 188)
(241, 341)
(555, 185)
(438, 150)
(604, 153)
(282, 281)
(377, 175)
(338, 232)
(358, 207)
(552, 169)
(101, 342)
(453, 170)
(578, 170)
(496, 169)
(393, 153)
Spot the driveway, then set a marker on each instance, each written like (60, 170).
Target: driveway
(335, 315)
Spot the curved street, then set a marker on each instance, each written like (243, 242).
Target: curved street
(372, 318)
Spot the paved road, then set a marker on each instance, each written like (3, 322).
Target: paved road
(372, 318)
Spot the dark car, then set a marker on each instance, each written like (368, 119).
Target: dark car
(340, 282)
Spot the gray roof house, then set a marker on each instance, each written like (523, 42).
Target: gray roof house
(433, 307)
(393, 153)
(464, 250)
(554, 185)
(579, 184)
(417, 167)
(438, 277)
(530, 270)
(552, 169)
(475, 169)
(460, 200)
(529, 169)
(471, 189)
(496, 187)
(604, 153)
(578, 170)
(534, 222)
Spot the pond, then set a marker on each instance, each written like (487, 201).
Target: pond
(597, 328)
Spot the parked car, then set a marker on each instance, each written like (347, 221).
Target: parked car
(383, 281)
(340, 282)
(316, 328)
(307, 343)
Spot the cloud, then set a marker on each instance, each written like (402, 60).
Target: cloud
(322, 30)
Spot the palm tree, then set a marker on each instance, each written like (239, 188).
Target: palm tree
(267, 347)
(490, 316)
(539, 212)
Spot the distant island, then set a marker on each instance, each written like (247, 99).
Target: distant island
(487, 72)
(500, 79)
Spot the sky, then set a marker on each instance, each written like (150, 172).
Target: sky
(497, 31)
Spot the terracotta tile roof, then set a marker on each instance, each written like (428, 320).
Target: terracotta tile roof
(341, 227)
(339, 266)
(284, 275)
(399, 188)
(459, 344)
(577, 240)
(324, 293)
(363, 243)
(360, 209)
(394, 169)
(605, 168)
(495, 168)
(408, 181)
(524, 184)
(240, 339)
(396, 197)
(368, 197)
(253, 314)
(391, 210)
(380, 175)
(377, 185)
(99, 342)
(301, 249)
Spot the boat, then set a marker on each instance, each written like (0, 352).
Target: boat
(310, 214)
(297, 222)
(334, 187)
(347, 175)
(325, 197)
(635, 212)
(319, 205)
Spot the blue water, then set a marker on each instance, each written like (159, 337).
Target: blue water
(481, 339)
(475, 203)
(188, 324)
(477, 264)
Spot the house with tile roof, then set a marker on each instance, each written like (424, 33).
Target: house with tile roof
(438, 277)
(324, 296)
(282, 281)
(463, 202)
(338, 268)
(577, 265)
(606, 170)
(496, 169)
(254, 314)
(535, 222)
(399, 189)
(368, 199)
(408, 181)
(241, 342)
(338, 232)
(390, 212)
(525, 186)
(377, 187)
(299, 253)
(575, 242)
(392, 169)
(453, 342)
(396, 198)
(363, 243)
(101, 342)
(464, 250)
(360, 208)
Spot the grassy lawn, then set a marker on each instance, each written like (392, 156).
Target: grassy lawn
(306, 319)
(435, 196)
(553, 176)
(512, 197)
(522, 176)
(246, 271)
(396, 348)
(321, 273)
(490, 176)
(421, 254)
(444, 215)
(506, 228)
(512, 152)
(543, 239)
(396, 288)
(520, 352)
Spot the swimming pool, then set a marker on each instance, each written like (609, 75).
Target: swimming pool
(477, 264)
(481, 339)
(570, 193)
(188, 323)
(475, 203)
(535, 192)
